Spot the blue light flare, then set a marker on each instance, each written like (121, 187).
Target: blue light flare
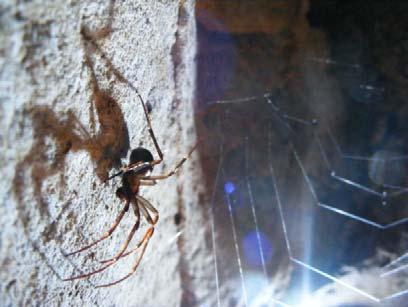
(251, 248)
(229, 187)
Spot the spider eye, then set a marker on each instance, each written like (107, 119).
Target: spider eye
(140, 154)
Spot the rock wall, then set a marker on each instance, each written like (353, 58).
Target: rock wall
(69, 118)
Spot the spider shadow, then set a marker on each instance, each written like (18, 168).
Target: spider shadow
(55, 135)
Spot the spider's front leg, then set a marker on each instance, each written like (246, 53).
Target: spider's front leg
(175, 169)
(135, 167)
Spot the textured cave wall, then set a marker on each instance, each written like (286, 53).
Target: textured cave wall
(69, 117)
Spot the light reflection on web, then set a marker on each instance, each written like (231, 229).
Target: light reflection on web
(382, 192)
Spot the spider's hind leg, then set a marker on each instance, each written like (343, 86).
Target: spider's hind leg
(122, 250)
(145, 206)
(129, 238)
(143, 243)
(142, 203)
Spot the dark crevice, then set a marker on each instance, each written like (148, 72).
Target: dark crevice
(187, 296)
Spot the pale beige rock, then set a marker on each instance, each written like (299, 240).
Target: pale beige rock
(52, 197)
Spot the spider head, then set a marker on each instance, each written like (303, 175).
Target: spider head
(141, 154)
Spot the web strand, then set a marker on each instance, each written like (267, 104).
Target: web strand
(251, 201)
(214, 247)
(236, 245)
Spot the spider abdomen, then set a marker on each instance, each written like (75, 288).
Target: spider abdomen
(140, 154)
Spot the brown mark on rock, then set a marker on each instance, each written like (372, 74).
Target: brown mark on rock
(64, 133)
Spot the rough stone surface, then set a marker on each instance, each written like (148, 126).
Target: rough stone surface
(69, 117)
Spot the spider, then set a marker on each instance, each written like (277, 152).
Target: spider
(134, 175)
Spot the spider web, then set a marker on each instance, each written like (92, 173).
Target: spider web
(329, 195)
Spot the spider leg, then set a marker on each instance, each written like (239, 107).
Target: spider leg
(148, 182)
(115, 258)
(113, 176)
(147, 205)
(85, 275)
(138, 245)
(107, 234)
(146, 214)
(144, 205)
(175, 169)
(129, 167)
(144, 244)
(130, 236)
(149, 123)
(124, 254)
